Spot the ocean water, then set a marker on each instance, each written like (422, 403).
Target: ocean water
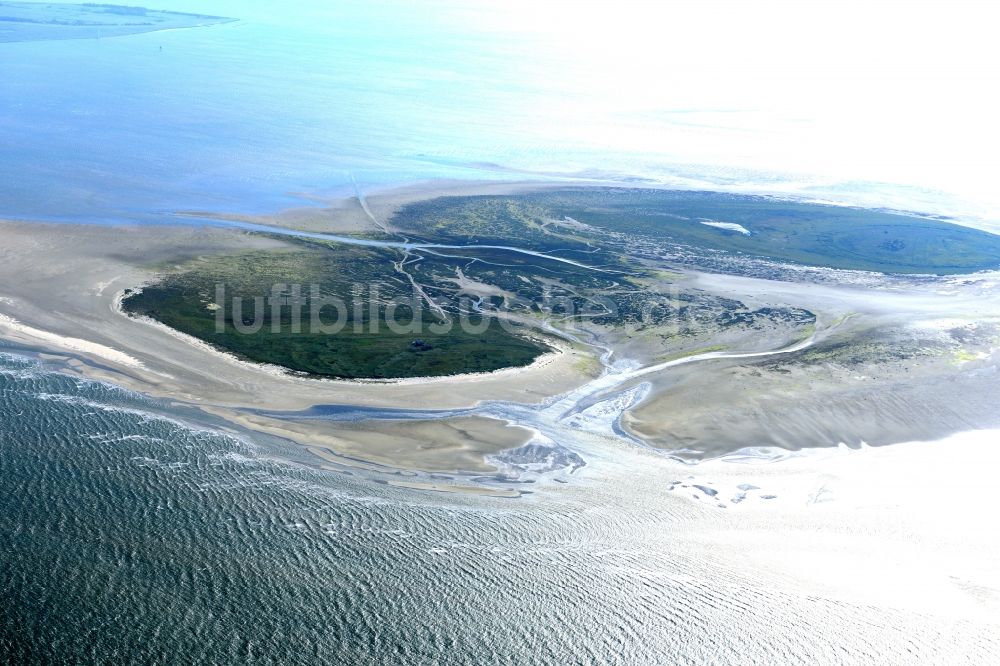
(131, 535)
(312, 96)
(243, 116)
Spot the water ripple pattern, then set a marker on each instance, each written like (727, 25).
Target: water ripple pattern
(130, 535)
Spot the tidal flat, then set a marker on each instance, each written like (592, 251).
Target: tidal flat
(583, 305)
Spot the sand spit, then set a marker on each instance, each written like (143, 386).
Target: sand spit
(450, 446)
(331, 217)
(368, 213)
(11, 329)
(448, 488)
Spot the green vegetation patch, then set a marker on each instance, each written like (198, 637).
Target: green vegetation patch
(514, 220)
(812, 234)
(278, 308)
(592, 223)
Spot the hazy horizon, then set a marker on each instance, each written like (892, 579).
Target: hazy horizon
(770, 99)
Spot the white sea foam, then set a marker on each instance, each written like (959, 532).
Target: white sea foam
(728, 226)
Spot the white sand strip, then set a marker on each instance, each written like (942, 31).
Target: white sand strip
(13, 329)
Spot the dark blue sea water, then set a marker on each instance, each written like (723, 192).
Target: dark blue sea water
(130, 535)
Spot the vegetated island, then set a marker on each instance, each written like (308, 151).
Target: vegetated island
(512, 299)
(365, 344)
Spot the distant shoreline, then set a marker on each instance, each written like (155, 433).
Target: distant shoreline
(38, 22)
